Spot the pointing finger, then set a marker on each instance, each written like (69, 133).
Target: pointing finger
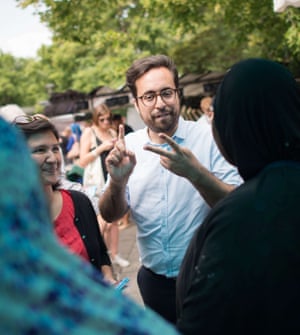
(121, 133)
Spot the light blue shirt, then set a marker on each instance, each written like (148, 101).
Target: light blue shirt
(167, 208)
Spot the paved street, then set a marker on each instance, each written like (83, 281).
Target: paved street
(128, 250)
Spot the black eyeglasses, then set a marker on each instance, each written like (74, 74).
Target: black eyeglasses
(167, 95)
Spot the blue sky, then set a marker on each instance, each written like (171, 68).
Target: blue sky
(21, 32)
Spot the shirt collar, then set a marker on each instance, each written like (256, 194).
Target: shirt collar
(181, 131)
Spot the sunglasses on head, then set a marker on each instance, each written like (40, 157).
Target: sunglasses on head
(23, 119)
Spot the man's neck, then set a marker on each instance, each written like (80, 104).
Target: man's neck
(154, 138)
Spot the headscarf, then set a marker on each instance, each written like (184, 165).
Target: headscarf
(43, 288)
(257, 115)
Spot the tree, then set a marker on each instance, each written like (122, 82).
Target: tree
(20, 81)
(8, 80)
(252, 27)
(95, 41)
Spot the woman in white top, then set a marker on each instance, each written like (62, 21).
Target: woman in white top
(96, 142)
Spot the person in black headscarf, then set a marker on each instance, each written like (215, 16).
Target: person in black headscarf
(241, 272)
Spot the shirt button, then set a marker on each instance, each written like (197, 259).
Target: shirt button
(83, 237)
(92, 260)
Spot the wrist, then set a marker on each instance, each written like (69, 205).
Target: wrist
(94, 153)
(118, 184)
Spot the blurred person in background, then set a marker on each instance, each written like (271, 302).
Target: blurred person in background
(118, 119)
(206, 107)
(95, 144)
(73, 144)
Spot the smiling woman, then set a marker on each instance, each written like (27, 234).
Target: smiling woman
(74, 219)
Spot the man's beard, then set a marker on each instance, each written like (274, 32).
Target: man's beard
(165, 120)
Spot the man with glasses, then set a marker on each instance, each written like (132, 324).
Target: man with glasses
(169, 174)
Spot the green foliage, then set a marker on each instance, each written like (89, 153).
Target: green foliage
(94, 41)
(8, 80)
(20, 81)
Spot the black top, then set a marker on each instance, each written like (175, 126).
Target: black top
(86, 222)
(241, 272)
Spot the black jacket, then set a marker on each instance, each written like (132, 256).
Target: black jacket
(86, 222)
